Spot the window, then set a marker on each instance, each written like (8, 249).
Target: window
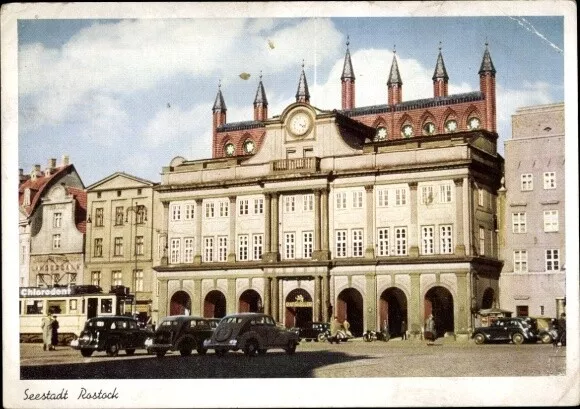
(341, 243)
(96, 278)
(383, 242)
(116, 277)
(222, 248)
(428, 239)
(259, 206)
(308, 203)
(382, 197)
(522, 310)
(289, 204)
(307, 244)
(551, 220)
(480, 196)
(552, 260)
(290, 245)
(357, 242)
(138, 279)
(139, 246)
(56, 241)
(35, 307)
(208, 249)
(520, 261)
(401, 241)
(426, 194)
(140, 215)
(401, 197)
(188, 250)
(118, 193)
(481, 241)
(258, 246)
(189, 211)
(99, 217)
(118, 251)
(519, 222)
(174, 250)
(243, 247)
(119, 216)
(446, 239)
(98, 248)
(357, 200)
(175, 212)
(341, 200)
(527, 181)
(139, 191)
(57, 220)
(445, 194)
(244, 207)
(224, 209)
(549, 180)
(209, 210)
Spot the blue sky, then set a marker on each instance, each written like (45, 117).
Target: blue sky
(131, 94)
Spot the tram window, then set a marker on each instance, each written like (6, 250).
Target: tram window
(72, 305)
(34, 307)
(106, 305)
(56, 306)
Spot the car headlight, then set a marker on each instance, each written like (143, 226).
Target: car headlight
(74, 343)
(233, 342)
(205, 342)
(148, 342)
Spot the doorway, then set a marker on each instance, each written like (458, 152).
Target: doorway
(349, 305)
(439, 302)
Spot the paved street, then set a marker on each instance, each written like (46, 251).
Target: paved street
(312, 360)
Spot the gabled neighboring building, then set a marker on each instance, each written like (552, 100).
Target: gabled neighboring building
(52, 225)
(119, 237)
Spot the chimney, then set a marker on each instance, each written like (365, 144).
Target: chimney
(20, 172)
(36, 168)
(52, 163)
(65, 160)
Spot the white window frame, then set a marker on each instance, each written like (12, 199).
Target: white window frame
(118, 246)
(307, 244)
(446, 239)
(139, 245)
(259, 206)
(244, 207)
(57, 220)
(481, 241)
(382, 197)
(427, 240)
(208, 242)
(257, 246)
(222, 249)
(289, 245)
(553, 260)
(116, 277)
(209, 210)
(289, 204)
(480, 197)
(98, 245)
(520, 261)
(341, 243)
(427, 195)
(308, 202)
(401, 241)
(519, 223)
(138, 279)
(549, 180)
(175, 212)
(526, 182)
(224, 208)
(188, 249)
(445, 193)
(340, 200)
(551, 222)
(175, 251)
(357, 200)
(357, 237)
(383, 242)
(189, 211)
(96, 278)
(243, 247)
(401, 196)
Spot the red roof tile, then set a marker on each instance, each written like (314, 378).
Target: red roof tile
(38, 186)
(80, 197)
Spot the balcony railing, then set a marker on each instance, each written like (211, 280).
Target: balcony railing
(310, 164)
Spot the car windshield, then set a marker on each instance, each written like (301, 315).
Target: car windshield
(95, 324)
(169, 323)
(232, 320)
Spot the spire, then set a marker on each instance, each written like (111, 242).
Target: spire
(394, 76)
(347, 71)
(219, 104)
(440, 71)
(261, 94)
(302, 95)
(486, 63)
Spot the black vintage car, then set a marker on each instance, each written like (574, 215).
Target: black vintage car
(181, 333)
(516, 330)
(111, 334)
(312, 331)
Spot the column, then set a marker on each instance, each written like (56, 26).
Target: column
(325, 297)
(458, 234)
(275, 225)
(162, 301)
(232, 239)
(275, 299)
(463, 302)
(317, 221)
(468, 222)
(198, 233)
(196, 302)
(267, 296)
(370, 248)
(316, 307)
(324, 224)
(370, 313)
(163, 238)
(416, 316)
(267, 224)
(231, 302)
(413, 228)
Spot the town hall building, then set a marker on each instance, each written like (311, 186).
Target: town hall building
(377, 214)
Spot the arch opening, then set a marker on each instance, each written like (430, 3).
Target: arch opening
(250, 301)
(439, 302)
(393, 311)
(180, 304)
(214, 305)
(298, 308)
(349, 305)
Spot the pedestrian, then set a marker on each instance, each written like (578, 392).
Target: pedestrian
(562, 330)
(46, 325)
(430, 329)
(334, 328)
(54, 333)
(346, 326)
(404, 330)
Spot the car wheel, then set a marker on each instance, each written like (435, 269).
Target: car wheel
(517, 338)
(220, 352)
(251, 348)
(86, 352)
(160, 354)
(130, 351)
(321, 338)
(291, 348)
(113, 350)
(479, 339)
(262, 351)
(545, 338)
(185, 351)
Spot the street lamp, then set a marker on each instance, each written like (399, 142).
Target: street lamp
(140, 212)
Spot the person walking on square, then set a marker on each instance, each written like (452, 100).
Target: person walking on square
(46, 325)
(54, 333)
(404, 330)
(430, 329)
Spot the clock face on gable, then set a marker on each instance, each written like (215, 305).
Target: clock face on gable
(299, 124)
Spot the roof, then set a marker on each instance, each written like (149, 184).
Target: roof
(237, 126)
(261, 94)
(486, 63)
(116, 174)
(440, 71)
(80, 198)
(394, 76)
(39, 186)
(219, 104)
(347, 70)
(302, 86)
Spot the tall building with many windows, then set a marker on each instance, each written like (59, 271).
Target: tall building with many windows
(119, 238)
(376, 214)
(533, 277)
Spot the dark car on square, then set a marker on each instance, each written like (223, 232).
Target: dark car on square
(181, 333)
(312, 331)
(111, 334)
(253, 333)
(517, 330)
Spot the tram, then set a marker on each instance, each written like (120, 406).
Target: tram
(72, 305)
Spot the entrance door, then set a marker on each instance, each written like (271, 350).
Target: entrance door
(92, 306)
(250, 301)
(393, 310)
(439, 302)
(214, 305)
(180, 304)
(350, 307)
(298, 308)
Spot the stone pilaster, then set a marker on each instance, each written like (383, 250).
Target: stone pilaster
(370, 247)
(413, 228)
(462, 321)
(458, 234)
(416, 315)
(231, 301)
(232, 239)
(267, 224)
(162, 302)
(198, 233)
(164, 258)
(317, 305)
(267, 295)
(275, 299)
(196, 307)
(272, 254)
(326, 298)
(370, 312)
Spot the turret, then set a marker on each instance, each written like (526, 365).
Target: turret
(260, 103)
(347, 78)
(302, 94)
(219, 116)
(440, 77)
(394, 84)
(487, 87)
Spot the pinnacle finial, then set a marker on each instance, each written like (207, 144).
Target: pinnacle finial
(394, 49)
(220, 83)
(439, 45)
(347, 40)
(260, 75)
(303, 63)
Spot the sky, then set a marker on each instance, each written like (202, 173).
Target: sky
(131, 94)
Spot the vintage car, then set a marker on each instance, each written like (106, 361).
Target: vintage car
(312, 331)
(111, 334)
(253, 333)
(516, 330)
(181, 333)
(213, 322)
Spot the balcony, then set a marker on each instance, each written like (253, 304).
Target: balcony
(298, 165)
